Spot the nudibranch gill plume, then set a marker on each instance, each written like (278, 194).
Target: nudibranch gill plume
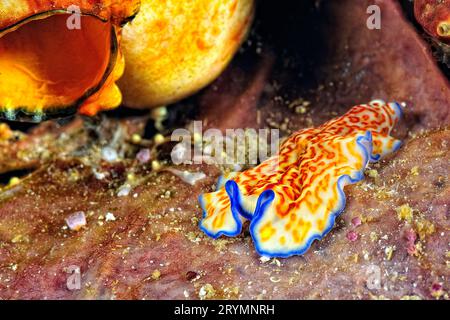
(294, 197)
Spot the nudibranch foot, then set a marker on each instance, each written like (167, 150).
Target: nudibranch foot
(294, 197)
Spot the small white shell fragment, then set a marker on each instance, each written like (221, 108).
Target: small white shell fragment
(109, 154)
(124, 190)
(76, 221)
(188, 177)
(99, 175)
(110, 217)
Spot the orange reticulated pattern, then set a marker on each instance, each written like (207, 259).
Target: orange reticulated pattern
(294, 197)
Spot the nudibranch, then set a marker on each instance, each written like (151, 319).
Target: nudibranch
(294, 197)
(434, 16)
(58, 56)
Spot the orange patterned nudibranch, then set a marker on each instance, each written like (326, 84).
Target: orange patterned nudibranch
(294, 197)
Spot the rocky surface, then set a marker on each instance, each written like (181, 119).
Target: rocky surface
(141, 238)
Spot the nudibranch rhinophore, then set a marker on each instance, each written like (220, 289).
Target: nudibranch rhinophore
(57, 56)
(294, 197)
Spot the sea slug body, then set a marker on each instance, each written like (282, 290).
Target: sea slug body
(294, 197)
